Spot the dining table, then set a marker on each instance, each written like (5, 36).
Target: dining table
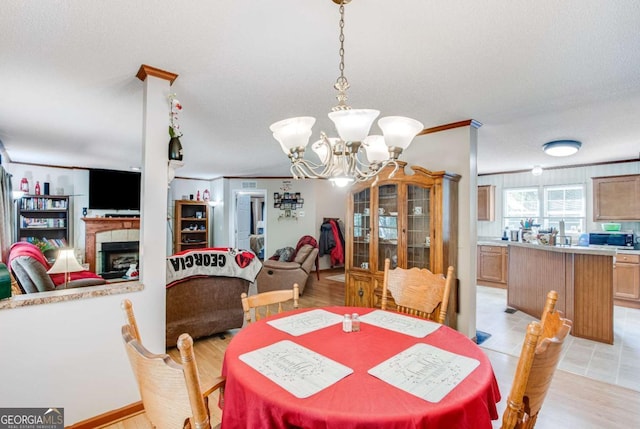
(300, 369)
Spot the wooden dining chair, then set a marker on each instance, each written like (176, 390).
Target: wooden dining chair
(551, 319)
(267, 303)
(537, 363)
(171, 392)
(130, 318)
(417, 291)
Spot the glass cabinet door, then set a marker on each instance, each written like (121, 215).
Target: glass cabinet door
(387, 225)
(361, 229)
(418, 227)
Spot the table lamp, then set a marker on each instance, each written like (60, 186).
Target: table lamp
(66, 263)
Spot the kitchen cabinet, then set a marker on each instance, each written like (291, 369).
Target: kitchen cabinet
(191, 225)
(486, 202)
(616, 198)
(410, 219)
(626, 280)
(492, 266)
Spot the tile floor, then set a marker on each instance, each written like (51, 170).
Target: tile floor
(616, 364)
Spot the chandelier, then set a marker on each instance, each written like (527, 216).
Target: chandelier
(355, 155)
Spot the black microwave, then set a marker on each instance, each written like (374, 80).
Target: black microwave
(614, 239)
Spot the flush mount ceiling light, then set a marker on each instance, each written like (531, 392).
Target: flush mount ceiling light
(561, 147)
(354, 156)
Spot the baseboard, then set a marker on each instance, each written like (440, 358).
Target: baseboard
(110, 417)
(491, 284)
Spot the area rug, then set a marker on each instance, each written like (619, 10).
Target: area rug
(336, 278)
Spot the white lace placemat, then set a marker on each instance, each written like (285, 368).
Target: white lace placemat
(408, 325)
(298, 370)
(303, 323)
(425, 371)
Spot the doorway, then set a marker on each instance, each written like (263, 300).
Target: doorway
(249, 221)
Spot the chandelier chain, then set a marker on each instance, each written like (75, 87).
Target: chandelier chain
(342, 84)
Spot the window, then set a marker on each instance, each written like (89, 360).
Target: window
(547, 206)
(520, 204)
(565, 203)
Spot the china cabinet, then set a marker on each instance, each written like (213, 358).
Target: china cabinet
(410, 219)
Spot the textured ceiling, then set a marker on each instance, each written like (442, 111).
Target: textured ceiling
(529, 71)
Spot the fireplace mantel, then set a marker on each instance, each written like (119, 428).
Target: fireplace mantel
(93, 225)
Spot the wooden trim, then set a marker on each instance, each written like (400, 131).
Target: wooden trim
(146, 70)
(460, 124)
(110, 417)
(561, 167)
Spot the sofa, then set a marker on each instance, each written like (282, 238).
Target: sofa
(203, 291)
(277, 274)
(29, 268)
(204, 306)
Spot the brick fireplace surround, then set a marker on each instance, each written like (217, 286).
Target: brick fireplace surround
(94, 225)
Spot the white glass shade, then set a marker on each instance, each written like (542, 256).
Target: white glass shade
(66, 262)
(341, 181)
(322, 150)
(399, 131)
(353, 125)
(376, 149)
(537, 170)
(284, 149)
(293, 132)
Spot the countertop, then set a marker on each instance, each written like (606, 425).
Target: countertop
(570, 249)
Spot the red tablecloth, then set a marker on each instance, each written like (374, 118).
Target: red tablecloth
(358, 400)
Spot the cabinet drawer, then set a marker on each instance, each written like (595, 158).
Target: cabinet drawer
(628, 258)
(491, 249)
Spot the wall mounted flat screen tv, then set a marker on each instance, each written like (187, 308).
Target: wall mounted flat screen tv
(114, 190)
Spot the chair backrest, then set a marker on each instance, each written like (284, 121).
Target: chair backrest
(537, 363)
(551, 319)
(417, 291)
(130, 318)
(267, 303)
(170, 392)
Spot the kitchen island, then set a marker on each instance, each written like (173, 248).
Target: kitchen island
(582, 276)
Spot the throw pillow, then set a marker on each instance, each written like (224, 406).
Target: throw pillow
(303, 253)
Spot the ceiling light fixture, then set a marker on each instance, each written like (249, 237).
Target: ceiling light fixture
(561, 147)
(355, 156)
(537, 170)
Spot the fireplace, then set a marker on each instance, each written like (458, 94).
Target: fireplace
(109, 229)
(117, 256)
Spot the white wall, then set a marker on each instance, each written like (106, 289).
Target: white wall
(70, 354)
(321, 200)
(563, 176)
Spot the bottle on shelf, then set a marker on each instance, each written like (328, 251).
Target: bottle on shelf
(198, 196)
(24, 185)
(37, 188)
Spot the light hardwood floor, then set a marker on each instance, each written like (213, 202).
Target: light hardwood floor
(573, 401)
